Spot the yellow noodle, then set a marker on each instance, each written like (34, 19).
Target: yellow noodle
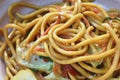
(79, 43)
(76, 37)
(92, 69)
(81, 58)
(37, 42)
(117, 53)
(93, 15)
(9, 64)
(79, 69)
(95, 5)
(10, 13)
(9, 73)
(33, 14)
(33, 32)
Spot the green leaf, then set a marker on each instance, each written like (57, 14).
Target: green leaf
(35, 63)
(109, 18)
(90, 51)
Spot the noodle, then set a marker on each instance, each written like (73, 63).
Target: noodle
(72, 40)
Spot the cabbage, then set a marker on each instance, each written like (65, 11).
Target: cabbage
(36, 62)
(24, 75)
(51, 76)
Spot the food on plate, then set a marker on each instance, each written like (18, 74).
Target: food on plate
(71, 40)
(24, 75)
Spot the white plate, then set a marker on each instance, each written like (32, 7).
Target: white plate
(4, 18)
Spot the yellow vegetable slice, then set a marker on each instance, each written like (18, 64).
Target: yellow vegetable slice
(24, 75)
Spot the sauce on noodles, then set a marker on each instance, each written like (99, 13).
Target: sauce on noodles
(72, 40)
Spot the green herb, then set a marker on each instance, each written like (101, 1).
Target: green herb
(90, 51)
(34, 70)
(96, 63)
(109, 18)
(98, 48)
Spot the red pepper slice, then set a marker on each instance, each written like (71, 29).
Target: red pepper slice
(39, 49)
(56, 68)
(68, 69)
(96, 10)
(45, 60)
(48, 29)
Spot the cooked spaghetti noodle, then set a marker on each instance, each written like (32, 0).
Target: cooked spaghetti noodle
(73, 40)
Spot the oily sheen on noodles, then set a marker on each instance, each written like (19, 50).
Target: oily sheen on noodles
(71, 40)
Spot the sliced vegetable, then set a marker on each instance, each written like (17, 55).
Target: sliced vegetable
(109, 18)
(96, 10)
(36, 62)
(39, 49)
(95, 64)
(97, 47)
(90, 51)
(113, 13)
(68, 69)
(52, 76)
(24, 75)
(45, 58)
(56, 68)
(48, 29)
